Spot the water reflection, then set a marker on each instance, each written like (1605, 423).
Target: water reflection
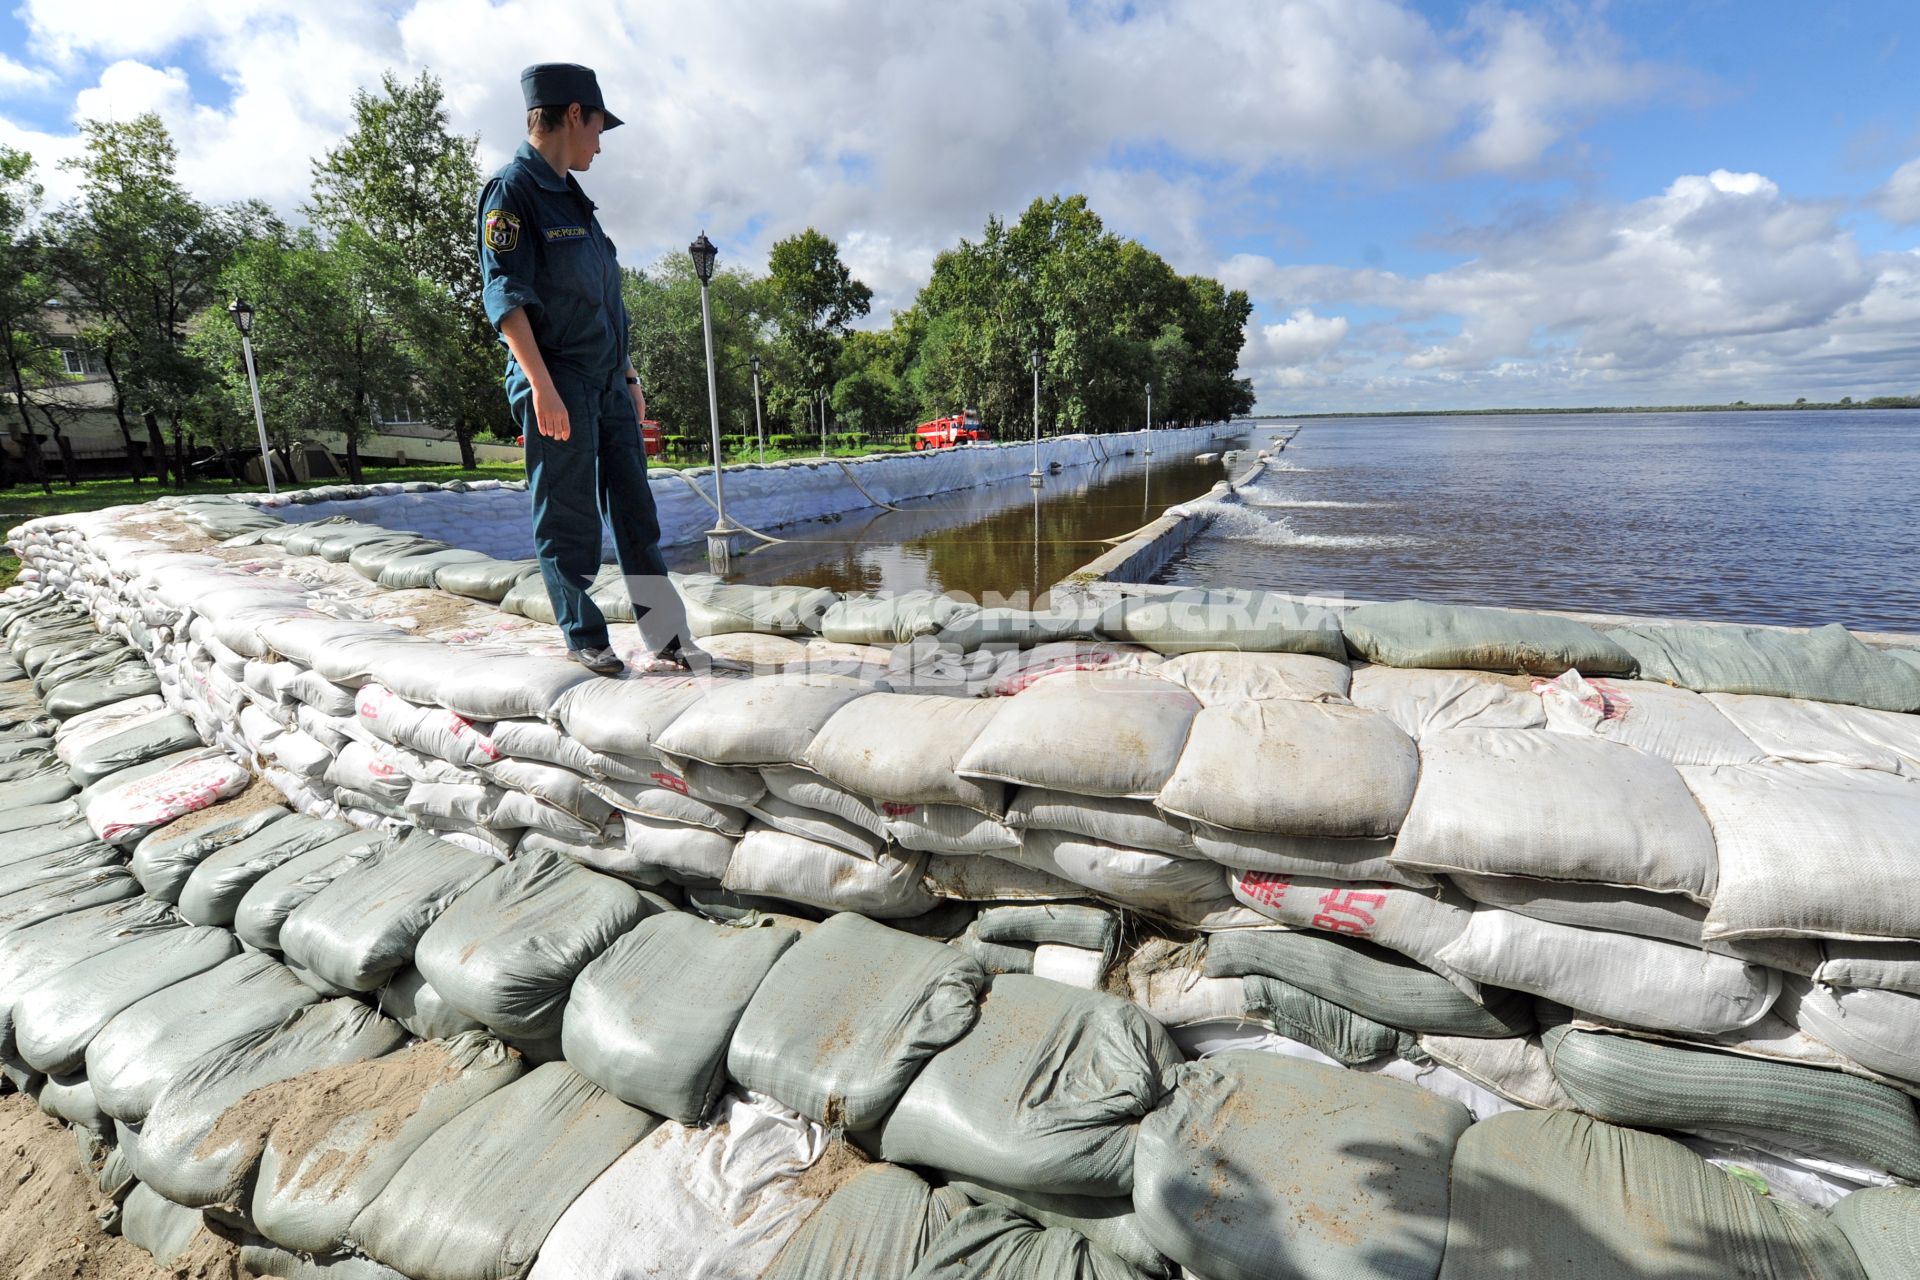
(1004, 540)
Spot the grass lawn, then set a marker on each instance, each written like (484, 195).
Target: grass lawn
(23, 502)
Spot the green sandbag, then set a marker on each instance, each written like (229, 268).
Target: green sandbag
(1551, 1193)
(877, 1226)
(1883, 1226)
(1827, 664)
(529, 598)
(1262, 1166)
(988, 1243)
(843, 1023)
(416, 572)
(1413, 633)
(370, 558)
(1370, 980)
(1227, 619)
(1066, 923)
(486, 579)
(1347, 1037)
(1655, 1085)
(718, 608)
(1108, 1221)
(130, 680)
(888, 620)
(147, 740)
(1025, 628)
(1044, 1092)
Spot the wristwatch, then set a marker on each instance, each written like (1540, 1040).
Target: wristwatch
(633, 382)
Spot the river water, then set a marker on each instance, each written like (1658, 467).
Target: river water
(1002, 543)
(1793, 519)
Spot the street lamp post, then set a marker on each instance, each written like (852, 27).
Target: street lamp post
(242, 312)
(1149, 419)
(1033, 476)
(823, 422)
(758, 426)
(703, 254)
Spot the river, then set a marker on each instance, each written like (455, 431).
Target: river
(1792, 518)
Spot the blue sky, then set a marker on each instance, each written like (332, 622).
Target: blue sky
(1444, 204)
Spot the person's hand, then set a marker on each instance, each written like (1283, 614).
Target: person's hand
(550, 411)
(639, 402)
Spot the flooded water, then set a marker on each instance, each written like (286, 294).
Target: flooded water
(1793, 519)
(1003, 540)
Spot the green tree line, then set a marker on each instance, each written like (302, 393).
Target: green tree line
(373, 299)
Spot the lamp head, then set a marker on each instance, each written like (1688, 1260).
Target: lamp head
(755, 362)
(242, 312)
(703, 254)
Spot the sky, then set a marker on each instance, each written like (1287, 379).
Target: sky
(1432, 205)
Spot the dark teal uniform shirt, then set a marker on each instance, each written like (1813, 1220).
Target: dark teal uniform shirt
(541, 247)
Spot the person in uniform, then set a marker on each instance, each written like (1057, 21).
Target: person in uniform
(552, 289)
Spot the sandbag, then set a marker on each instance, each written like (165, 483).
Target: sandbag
(1883, 1226)
(409, 999)
(215, 888)
(412, 572)
(716, 608)
(1421, 702)
(284, 1264)
(1195, 620)
(1641, 982)
(128, 680)
(1548, 1193)
(1328, 1031)
(432, 731)
(1515, 1069)
(121, 814)
(1115, 736)
(274, 896)
(1808, 851)
(989, 1243)
(369, 558)
(843, 1022)
(876, 1226)
(164, 859)
(650, 1019)
(825, 828)
(1107, 1221)
(1158, 884)
(47, 869)
(624, 718)
(147, 1045)
(949, 829)
(1217, 678)
(654, 850)
(1555, 807)
(1825, 732)
(904, 748)
(1368, 979)
(476, 1200)
(1651, 1085)
(1324, 857)
(761, 721)
(136, 744)
(1070, 924)
(1295, 768)
(714, 1203)
(1879, 1030)
(1258, 1162)
(1413, 633)
(1131, 824)
(774, 864)
(888, 619)
(338, 1135)
(1044, 1092)
(48, 788)
(69, 891)
(1876, 966)
(56, 1019)
(508, 949)
(485, 578)
(1678, 725)
(1826, 664)
(362, 927)
(205, 1131)
(44, 948)
(154, 1223)
(1413, 922)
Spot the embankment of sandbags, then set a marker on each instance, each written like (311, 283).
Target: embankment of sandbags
(1199, 935)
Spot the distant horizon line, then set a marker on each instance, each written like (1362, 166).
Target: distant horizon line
(1738, 406)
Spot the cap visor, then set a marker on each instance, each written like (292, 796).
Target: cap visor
(612, 121)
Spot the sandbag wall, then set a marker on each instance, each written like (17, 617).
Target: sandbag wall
(1489, 885)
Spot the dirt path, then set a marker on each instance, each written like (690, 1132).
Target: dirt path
(47, 1205)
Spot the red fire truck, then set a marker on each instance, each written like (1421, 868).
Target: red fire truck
(945, 433)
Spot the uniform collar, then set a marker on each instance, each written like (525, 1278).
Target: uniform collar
(543, 175)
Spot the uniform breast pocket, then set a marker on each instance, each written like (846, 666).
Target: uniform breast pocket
(571, 262)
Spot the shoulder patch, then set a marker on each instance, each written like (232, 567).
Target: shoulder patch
(503, 231)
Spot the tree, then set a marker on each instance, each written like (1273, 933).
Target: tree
(325, 348)
(405, 186)
(144, 257)
(813, 300)
(24, 340)
(669, 351)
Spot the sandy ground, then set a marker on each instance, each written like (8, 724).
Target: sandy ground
(48, 1228)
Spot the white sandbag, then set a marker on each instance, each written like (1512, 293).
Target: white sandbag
(809, 790)
(761, 721)
(56, 1019)
(1416, 923)
(409, 999)
(154, 1223)
(205, 1131)
(1877, 966)
(1423, 702)
(1099, 735)
(320, 693)
(1639, 981)
(370, 770)
(948, 829)
(653, 846)
(714, 1203)
(1880, 1030)
(508, 949)
(1555, 807)
(122, 814)
(1515, 1068)
(904, 748)
(562, 788)
(823, 828)
(477, 681)
(1157, 884)
(143, 1048)
(1070, 966)
(1326, 857)
(1825, 732)
(775, 864)
(1809, 851)
(976, 879)
(1678, 725)
(1294, 768)
(544, 743)
(431, 731)
(1221, 677)
(339, 1135)
(626, 717)
(362, 927)
(477, 1199)
(1132, 824)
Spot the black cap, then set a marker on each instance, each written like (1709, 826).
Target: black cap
(556, 84)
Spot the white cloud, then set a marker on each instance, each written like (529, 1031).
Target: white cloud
(15, 76)
(1302, 338)
(1899, 200)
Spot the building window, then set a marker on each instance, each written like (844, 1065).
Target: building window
(405, 413)
(77, 362)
